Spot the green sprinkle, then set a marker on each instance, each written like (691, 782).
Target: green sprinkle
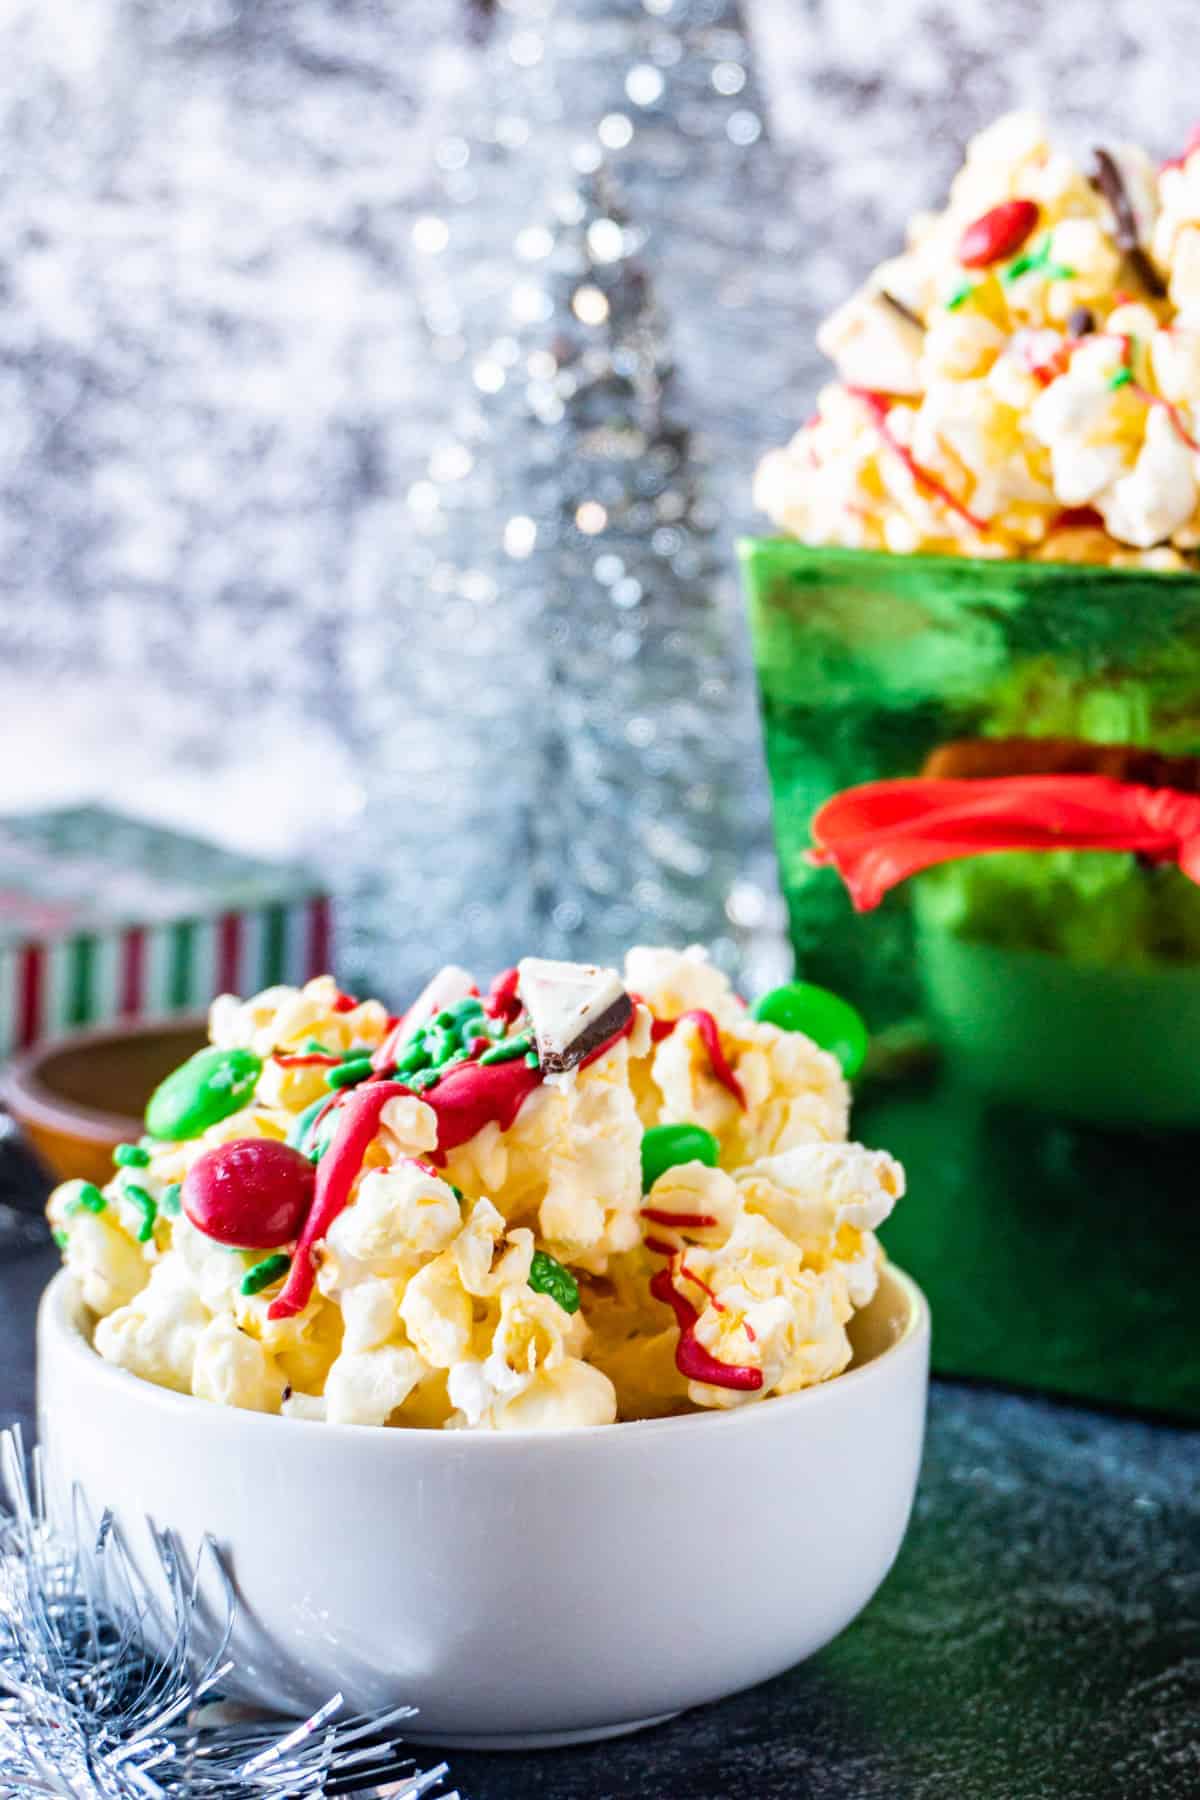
(88, 1199)
(546, 1276)
(509, 1049)
(457, 1192)
(531, 1059)
(441, 1046)
(470, 1008)
(1121, 379)
(347, 1074)
(265, 1273)
(171, 1204)
(444, 1018)
(1021, 266)
(421, 1079)
(60, 1238)
(415, 1057)
(960, 296)
(146, 1205)
(313, 1048)
(131, 1156)
(1038, 261)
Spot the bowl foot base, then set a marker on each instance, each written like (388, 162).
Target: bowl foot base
(534, 1740)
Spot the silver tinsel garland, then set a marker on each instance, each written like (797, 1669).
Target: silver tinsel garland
(105, 1695)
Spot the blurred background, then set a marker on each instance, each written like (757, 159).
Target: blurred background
(380, 390)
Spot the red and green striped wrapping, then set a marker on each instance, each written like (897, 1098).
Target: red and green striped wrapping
(74, 952)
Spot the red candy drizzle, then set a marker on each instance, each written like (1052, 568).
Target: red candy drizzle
(336, 1175)
(997, 234)
(1189, 149)
(691, 1358)
(878, 405)
(706, 1025)
(472, 1095)
(658, 1215)
(503, 1001)
(465, 1100)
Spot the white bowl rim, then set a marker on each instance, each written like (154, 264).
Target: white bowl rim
(61, 1301)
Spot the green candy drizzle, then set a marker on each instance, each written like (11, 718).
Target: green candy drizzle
(547, 1276)
(205, 1089)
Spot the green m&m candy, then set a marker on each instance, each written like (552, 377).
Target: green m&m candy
(664, 1146)
(202, 1091)
(826, 1018)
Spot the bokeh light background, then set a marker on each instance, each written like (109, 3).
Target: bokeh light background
(225, 396)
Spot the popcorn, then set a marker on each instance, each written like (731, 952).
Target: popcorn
(365, 1387)
(1029, 358)
(157, 1333)
(493, 1243)
(231, 1369)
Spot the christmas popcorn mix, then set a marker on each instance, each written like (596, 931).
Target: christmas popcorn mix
(1024, 380)
(576, 1198)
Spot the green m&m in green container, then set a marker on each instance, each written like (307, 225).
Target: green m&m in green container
(201, 1092)
(821, 1015)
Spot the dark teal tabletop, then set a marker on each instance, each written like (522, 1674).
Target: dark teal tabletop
(1038, 1639)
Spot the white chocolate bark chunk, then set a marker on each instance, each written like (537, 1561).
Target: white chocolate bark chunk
(572, 1008)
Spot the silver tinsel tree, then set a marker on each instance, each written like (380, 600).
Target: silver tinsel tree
(565, 563)
(643, 751)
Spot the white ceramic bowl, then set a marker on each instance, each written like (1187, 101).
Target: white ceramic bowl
(520, 1589)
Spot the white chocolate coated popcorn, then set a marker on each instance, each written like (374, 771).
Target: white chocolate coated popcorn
(516, 1277)
(1042, 401)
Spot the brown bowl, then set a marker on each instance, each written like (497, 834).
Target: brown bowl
(76, 1098)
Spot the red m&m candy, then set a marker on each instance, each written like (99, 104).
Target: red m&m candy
(997, 234)
(253, 1194)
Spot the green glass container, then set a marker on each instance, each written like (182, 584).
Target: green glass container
(1036, 1015)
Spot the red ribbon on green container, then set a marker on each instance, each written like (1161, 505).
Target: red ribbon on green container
(881, 833)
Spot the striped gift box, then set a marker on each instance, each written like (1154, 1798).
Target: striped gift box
(104, 917)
